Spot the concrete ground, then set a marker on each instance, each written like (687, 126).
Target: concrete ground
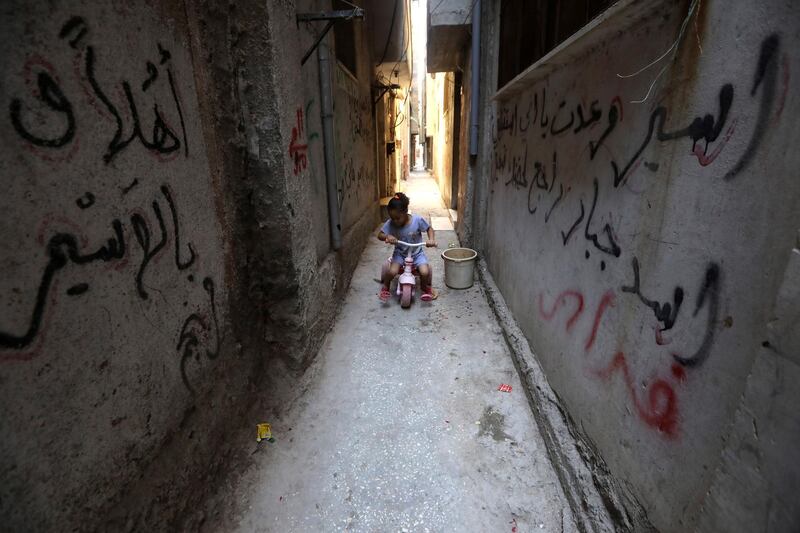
(401, 426)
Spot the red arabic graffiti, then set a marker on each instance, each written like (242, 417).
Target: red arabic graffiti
(660, 408)
(560, 300)
(705, 159)
(606, 301)
(297, 151)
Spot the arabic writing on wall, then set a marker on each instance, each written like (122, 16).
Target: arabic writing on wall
(556, 155)
(116, 120)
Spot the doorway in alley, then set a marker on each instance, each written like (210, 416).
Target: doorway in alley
(429, 153)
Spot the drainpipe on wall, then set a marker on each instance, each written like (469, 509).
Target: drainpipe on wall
(326, 99)
(475, 74)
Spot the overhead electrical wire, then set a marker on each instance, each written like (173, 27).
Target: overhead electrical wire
(673, 48)
(409, 44)
(433, 11)
(469, 14)
(389, 37)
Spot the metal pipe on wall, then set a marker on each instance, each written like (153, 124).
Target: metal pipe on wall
(326, 100)
(475, 78)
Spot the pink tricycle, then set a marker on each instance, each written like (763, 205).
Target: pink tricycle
(407, 280)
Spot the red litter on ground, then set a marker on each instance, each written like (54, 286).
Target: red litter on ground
(504, 388)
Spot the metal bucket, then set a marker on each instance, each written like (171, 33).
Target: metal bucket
(459, 267)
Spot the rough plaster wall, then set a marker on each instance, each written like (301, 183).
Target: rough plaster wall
(266, 118)
(114, 301)
(354, 129)
(448, 30)
(642, 246)
(448, 12)
(472, 222)
(401, 133)
(464, 194)
(282, 126)
(431, 116)
(306, 314)
(312, 170)
(445, 173)
(444, 143)
(297, 113)
(381, 121)
(354, 151)
(440, 127)
(162, 246)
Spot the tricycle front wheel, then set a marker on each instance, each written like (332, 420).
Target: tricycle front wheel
(405, 297)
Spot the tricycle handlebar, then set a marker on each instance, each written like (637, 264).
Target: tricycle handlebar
(410, 244)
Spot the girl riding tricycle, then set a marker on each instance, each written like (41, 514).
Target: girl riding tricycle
(405, 232)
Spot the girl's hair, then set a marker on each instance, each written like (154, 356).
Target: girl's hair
(399, 202)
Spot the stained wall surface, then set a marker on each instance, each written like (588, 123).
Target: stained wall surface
(644, 241)
(439, 103)
(164, 241)
(113, 293)
(355, 153)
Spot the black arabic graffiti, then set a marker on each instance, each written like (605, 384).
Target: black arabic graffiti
(708, 295)
(182, 265)
(665, 313)
(194, 328)
(707, 128)
(566, 236)
(142, 233)
(766, 72)
(63, 249)
(512, 120)
(613, 118)
(51, 95)
(596, 114)
(612, 248)
(161, 139)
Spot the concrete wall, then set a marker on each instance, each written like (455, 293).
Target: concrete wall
(403, 133)
(304, 275)
(165, 241)
(388, 22)
(648, 251)
(449, 126)
(355, 138)
(465, 161)
(448, 29)
(471, 227)
(115, 299)
(440, 126)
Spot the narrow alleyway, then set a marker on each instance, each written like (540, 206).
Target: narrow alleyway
(401, 426)
(188, 249)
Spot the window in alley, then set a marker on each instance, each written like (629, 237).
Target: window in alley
(344, 37)
(529, 29)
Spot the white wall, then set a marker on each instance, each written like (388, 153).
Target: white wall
(697, 189)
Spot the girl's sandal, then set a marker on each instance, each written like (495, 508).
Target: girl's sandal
(384, 295)
(429, 295)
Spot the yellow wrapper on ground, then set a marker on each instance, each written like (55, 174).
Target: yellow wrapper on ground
(263, 431)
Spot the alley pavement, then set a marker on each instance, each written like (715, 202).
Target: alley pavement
(402, 426)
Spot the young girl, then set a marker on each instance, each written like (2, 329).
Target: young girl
(402, 226)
